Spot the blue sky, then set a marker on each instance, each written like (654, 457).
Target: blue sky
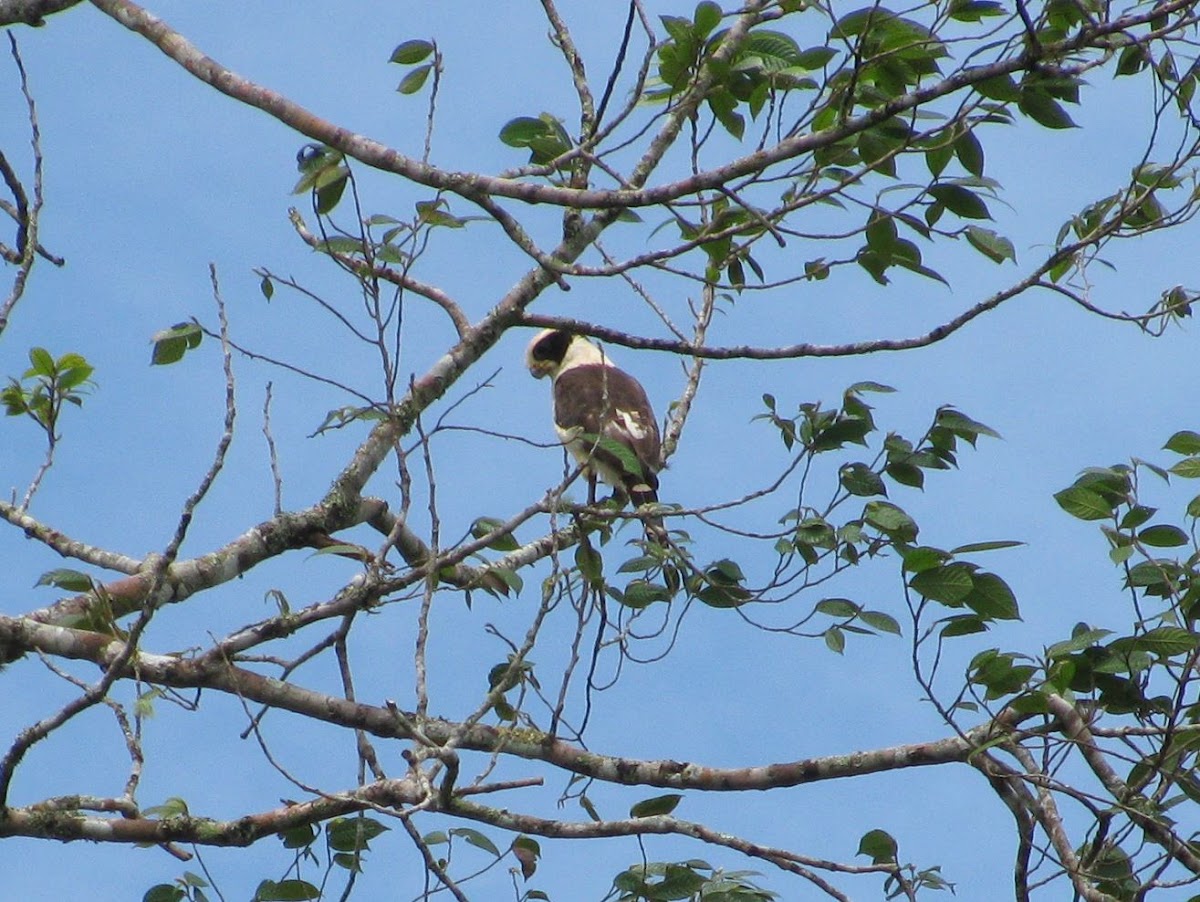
(150, 176)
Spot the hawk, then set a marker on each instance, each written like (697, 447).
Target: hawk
(602, 415)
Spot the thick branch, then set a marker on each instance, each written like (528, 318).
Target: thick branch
(31, 12)
(212, 673)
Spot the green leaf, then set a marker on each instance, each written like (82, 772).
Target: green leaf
(707, 17)
(969, 152)
(330, 191)
(299, 837)
(1184, 442)
(1136, 516)
(960, 201)
(835, 640)
(814, 58)
(523, 131)
(1188, 468)
(861, 480)
(1082, 637)
(352, 834)
(995, 247)
(639, 564)
(164, 892)
(975, 10)
(285, 891)
(837, 607)
(641, 593)
(477, 839)
(1083, 503)
(411, 52)
(171, 344)
(1164, 642)
(663, 804)
(414, 80)
(963, 625)
(172, 807)
(879, 846)
(725, 572)
(267, 287)
(42, 363)
(891, 520)
(975, 547)
(63, 578)
(881, 621)
(922, 557)
(948, 584)
(590, 563)
(1044, 110)
(527, 851)
(999, 87)
(1163, 536)
(485, 526)
(991, 597)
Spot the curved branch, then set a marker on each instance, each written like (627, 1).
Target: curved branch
(472, 185)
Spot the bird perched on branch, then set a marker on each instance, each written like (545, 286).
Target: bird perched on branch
(602, 415)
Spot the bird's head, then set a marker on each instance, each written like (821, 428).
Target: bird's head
(553, 350)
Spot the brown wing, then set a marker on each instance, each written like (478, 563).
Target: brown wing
(595, 400)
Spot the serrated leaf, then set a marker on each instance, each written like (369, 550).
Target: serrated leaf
(663, 804)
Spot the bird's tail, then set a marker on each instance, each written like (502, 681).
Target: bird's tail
(646, 492)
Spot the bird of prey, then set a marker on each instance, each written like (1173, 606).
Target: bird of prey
(602, 415)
